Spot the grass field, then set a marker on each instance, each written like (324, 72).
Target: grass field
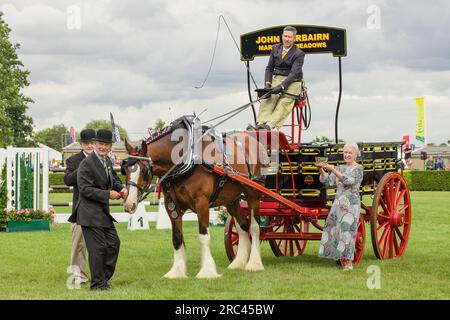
(33, 266)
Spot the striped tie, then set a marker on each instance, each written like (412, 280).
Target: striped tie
(105, 166)
(283, 54)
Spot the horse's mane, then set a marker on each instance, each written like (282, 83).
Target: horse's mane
(155, 135)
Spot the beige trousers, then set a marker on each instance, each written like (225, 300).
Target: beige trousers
(78, 254)
(275, 110)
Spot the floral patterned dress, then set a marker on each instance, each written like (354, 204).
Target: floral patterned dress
(339, 234)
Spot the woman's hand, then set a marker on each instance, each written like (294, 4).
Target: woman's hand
(322, 172)
(326, 166)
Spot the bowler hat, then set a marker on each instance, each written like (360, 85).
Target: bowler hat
(87, 135)
(104, 136)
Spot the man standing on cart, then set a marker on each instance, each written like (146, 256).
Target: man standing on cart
(283, 74)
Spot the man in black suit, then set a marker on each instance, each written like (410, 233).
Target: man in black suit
(98, 183)
(78, 252)
(283, 74)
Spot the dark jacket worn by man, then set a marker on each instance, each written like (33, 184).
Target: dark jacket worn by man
(70, 178)
(92, 209)
(283, 75)
(289, 66)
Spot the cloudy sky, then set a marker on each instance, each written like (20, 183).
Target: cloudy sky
(137, 59)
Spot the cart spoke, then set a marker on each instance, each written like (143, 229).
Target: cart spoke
(234, 238)
(397, 250)
(383, 238)
(391, 196)
(399, 198)
(298, 245)
(402, 239)
(397, 188)
(386, 241)
(391, 245)
(405, 206)
(385, 198)
(382, 226)
(384, 205)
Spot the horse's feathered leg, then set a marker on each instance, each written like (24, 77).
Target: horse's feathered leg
(254, 262)
(178, 269)
(208, 266)
(242, 226)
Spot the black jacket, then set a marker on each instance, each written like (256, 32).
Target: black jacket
(70, 178)
(92, 208)
(290, 66)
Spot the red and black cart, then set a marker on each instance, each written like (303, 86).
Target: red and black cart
(294, 203)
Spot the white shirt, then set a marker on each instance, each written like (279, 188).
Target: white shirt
(287, 50)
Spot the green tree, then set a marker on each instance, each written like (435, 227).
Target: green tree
(159, 124)
(52, 137)
(443, 144)
(325, 139)
(105, 124)
(16, 127)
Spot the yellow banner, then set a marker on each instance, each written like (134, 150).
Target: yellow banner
(420, 120)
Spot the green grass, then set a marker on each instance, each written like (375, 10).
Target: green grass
(33, 266)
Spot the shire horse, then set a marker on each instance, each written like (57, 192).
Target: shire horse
(199, 188)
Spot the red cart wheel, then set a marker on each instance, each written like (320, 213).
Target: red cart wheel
(288, 247)
(360, 241)
(391, 217)
(231, 238)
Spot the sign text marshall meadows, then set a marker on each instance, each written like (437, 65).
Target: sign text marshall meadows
(313, 40)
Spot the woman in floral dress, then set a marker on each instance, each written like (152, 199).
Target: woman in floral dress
(339, 233)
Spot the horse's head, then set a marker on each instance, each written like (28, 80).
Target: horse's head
(137, 170)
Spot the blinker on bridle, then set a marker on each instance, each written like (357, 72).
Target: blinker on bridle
(147, 171)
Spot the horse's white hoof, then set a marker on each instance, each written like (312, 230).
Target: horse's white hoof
(236, 264)
(207, 274)
(251, 266)
(176, 274)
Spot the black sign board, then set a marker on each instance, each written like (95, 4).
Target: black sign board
(311, 39)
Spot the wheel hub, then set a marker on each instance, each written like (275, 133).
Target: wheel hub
(396, 219)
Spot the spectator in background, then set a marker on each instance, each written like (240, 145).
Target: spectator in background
(429, 164)
(408, 163)
(441, 164)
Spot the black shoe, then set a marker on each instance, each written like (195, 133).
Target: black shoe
(103, 288)
(264, 127)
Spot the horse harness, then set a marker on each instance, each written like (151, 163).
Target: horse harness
(189, 166)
